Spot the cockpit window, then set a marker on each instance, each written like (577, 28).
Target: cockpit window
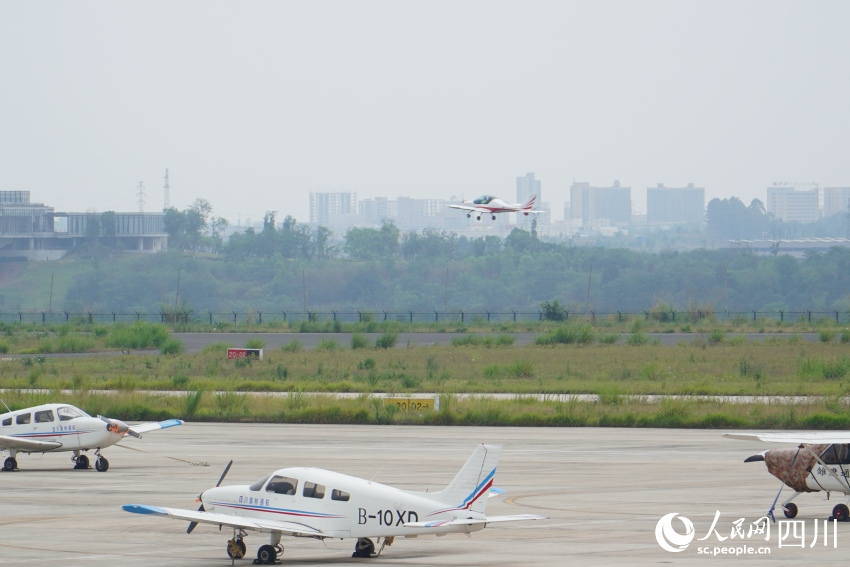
(282, 485)
(483, 200)
(45, 416)
(313, 490)
(259, 484)
(23, 418)
(67, 413)
(836, 454)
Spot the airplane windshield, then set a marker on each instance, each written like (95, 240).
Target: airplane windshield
(836, 454)
(67, 413)
(282, 485)
(483, 200)
(259, 484)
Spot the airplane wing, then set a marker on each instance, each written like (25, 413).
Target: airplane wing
(804, 437)
(21, 444)
(255, 524)
(467, 208)
(137, 430)
(472, 521)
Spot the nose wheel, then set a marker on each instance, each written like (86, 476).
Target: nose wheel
(101, 464)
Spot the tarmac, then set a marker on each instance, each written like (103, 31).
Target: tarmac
(604, 491)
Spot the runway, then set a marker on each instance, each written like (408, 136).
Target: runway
(604, 491)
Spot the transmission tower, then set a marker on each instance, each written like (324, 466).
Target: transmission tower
(140, 196)
(166, 195)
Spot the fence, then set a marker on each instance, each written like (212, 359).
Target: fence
(462, 317)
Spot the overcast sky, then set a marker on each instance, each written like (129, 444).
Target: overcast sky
(253, 105)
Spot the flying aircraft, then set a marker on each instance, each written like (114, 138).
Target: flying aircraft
(322, 504)
(490, 205)
(51, 428)
(819, 463)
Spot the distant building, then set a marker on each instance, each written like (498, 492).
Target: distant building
(415, 214)
(601, 206)
(36, 232)
(789, 202)
(326, 208)
(373, 212)
(526, 186)
(673, 205)
(835, 200)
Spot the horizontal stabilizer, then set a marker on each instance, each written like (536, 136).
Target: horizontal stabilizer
(474, 521)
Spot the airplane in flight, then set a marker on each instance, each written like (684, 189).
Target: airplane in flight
(322, 504)
(490, 205)
(819, 463)
(52, 428)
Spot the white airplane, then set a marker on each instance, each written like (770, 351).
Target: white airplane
(321, 504)
(52, 428)
(819, 463)
(490, 205)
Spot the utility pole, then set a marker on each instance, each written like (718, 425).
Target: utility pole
(166, 194)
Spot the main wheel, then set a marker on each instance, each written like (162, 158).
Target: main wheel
(82, 462)
(364, 547)
(790, 510)
(468, 215)
(494, 217)
(10, 464)
(236, 548)
(266, 555)
(841, 512)
(101, 464)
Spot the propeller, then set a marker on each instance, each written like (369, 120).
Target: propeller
(118, 426)
(193, 525)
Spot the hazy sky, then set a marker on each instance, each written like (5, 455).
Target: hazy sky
(252, 105)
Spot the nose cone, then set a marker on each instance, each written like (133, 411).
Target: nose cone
(116, 426)
(791, 466)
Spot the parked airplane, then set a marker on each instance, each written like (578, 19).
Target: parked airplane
(820, 462)
(51, 428)
(320, 504)
(489, 205)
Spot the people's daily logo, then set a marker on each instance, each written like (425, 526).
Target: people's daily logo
(671, 540)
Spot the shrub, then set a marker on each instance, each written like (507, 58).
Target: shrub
(327, 345)
(291, 346)
(139, 335)
(359, 341)
(171, 346)
(552, 311)
(387, 340)
(255, 343)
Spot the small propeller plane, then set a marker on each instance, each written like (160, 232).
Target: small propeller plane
(52, 428)
(490, 205)
(322, 504)
(819, 463)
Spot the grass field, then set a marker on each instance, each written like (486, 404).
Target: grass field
(618, 371)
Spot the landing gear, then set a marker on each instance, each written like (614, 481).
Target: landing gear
(10, 464)
(790, 510)
(101, 464)
(468, 215)
(840, 513)
(478, 217)
(236, 548)
(268, 554)
(363, 548)
(82, 461)
(493, 217)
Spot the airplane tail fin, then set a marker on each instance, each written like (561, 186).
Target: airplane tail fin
(530, 202)
(470, 488)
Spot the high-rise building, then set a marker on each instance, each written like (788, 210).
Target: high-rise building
(325, 206)
(601, 206)
(526, 186)
(671, 205)
(789, 202)
(835, 200)
(375, 211)
(419, 213)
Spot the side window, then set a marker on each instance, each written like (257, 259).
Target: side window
(23, 419)
(313, 490)
(7, 421)
(45, 416)
(340, 495)
(282, 485)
